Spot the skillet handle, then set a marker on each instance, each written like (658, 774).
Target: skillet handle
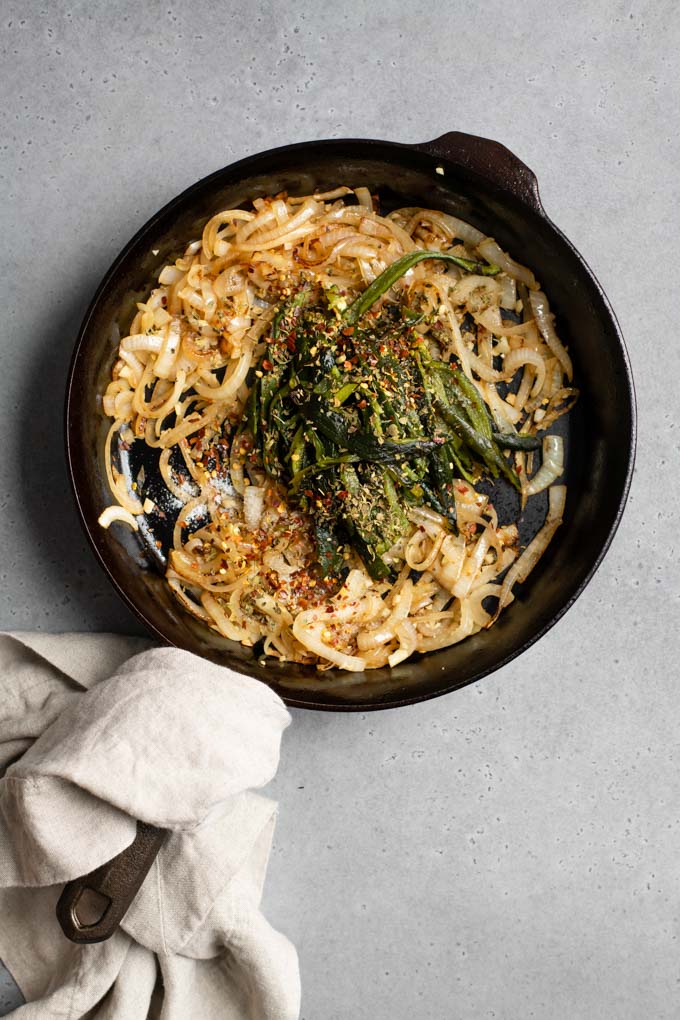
(91, 908)
(487, 159)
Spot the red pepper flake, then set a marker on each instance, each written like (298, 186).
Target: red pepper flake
(348, 330)
(462, 488)
(267, 365)
(343, 494)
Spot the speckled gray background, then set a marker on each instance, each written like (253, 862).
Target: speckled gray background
(510, 850)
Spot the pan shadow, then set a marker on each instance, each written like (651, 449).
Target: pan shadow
(83, 598)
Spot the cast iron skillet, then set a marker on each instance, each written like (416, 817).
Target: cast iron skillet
(480, 181)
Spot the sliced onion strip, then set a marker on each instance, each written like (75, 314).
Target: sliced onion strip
(544, 319)
(492, 252)
(117, 513)
(551, 467)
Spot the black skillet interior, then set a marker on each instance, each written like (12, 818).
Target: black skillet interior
(481, 183)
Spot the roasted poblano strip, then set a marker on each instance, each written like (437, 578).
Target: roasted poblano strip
(389, 277)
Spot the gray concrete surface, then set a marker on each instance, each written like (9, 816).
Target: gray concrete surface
(509, 851)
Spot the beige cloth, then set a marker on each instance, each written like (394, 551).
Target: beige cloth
(92, 739)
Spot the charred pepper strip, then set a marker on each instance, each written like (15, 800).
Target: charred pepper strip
(482, 446)
(505, 440)
(320, 465)
(441, 471)
(389, 277)
(329, 547)
(454, 453)
(517, 441)
(367, 447)
(372, 516)
(474, 405)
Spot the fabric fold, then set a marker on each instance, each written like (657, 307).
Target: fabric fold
(93, 739)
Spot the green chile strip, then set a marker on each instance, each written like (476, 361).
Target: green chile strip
(482, 446)
(389, 277)
(517, 441)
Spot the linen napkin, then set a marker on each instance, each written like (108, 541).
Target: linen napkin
(97, 731)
